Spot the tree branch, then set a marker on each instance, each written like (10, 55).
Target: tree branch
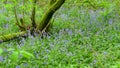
(8, 37)
(21, 26)
(48, 15)
(33, 14)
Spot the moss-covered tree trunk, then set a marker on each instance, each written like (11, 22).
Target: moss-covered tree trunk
(48, 15)
(35, 27)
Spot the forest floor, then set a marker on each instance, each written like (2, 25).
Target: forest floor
(80, 37)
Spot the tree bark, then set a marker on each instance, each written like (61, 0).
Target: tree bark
(8, 37)
(48, 15)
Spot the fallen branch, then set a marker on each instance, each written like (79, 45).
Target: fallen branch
(4, 38)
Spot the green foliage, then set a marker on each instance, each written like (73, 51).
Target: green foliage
(1, 51)
(81, 37)
(26, 54)
(15, 56)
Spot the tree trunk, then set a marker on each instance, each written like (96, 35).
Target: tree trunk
(48, 15)
(42, 25)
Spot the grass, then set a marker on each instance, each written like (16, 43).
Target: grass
(81, 37)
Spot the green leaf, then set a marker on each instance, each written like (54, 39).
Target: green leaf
(10, 49)
(15, 56)
(26, 54)
(1, 51)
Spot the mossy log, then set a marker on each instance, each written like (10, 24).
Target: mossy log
(4, 38)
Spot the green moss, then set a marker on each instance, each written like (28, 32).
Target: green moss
(8, 37)
(48, 15)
